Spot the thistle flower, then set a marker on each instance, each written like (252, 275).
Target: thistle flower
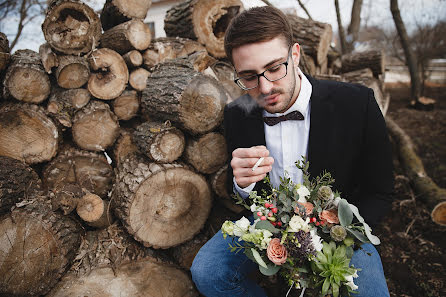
(325, 193)
(338, 233)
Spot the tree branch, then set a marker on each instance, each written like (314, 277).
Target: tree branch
(305, 9)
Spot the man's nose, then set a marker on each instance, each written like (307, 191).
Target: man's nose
(265, 85)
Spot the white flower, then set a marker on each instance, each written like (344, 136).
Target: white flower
(303, 192)
(241, 226)
(350, 283)
(297, 223)
(316, 240)
(253, 207)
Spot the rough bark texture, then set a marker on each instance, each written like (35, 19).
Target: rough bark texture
(72, 72)
(161, 205)
(165, 48)
(126, 106)
(18, 182)
(133, 59)
(127, 36)
(48, 57)
(218, 182)
(426, 189)
(95, 126)
(66, 197)
(225, 75)
(112, 79)
(159, 141)
(94, 211)
(124, 146)
(207, 153)
(87, 169)
(37, 247)
(373, 59)
(184, 254)
(138, 79)
(177, 93)
(26, 79)
(4, 51)
(314, 37)
(71, 27)
(116, 12)
(209, 20)
(27, 134)
(64, 103)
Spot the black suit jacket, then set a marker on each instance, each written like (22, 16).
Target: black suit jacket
(348, 138)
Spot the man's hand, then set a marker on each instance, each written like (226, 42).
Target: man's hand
(244, 159)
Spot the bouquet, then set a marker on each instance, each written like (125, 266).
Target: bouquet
(304, 231)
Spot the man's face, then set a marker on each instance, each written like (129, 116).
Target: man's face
(277, 96)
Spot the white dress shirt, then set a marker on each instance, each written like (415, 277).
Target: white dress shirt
(287, 141)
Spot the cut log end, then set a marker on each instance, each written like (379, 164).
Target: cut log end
(94, 211)
(126, 105)
(439, 214)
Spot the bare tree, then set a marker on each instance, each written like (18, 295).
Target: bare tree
(304, 8)
(355, 22)
(341, 29)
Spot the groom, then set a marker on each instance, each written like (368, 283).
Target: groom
(284, 116)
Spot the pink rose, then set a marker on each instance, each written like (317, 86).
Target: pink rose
(276, 252)
(308, 207)
(330, 216)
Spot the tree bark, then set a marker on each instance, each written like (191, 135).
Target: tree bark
(206, 153)
(138, 79)
(225, 75)
(27, 134)
(314, 37)
(112, 79)
(159, 141)
(127, 36)
(126, 106)
(64, 103)
(26, 79)
(48, 57)
(355, 22)
(160, 205)
(133, 59)
(184, 254)
(71, 27)
(124, 146)
(209, 20)
(116, 12)
(4, 52)
(408, 52)
(72, 72)
(66, 197)
(177, 93)
(89, 170)
(373, 59)
(38, 247)
(218, 182)
(94, 211)
(95, 126)
(429, 192)
(18, 182)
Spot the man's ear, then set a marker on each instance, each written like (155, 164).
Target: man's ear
(295, 54)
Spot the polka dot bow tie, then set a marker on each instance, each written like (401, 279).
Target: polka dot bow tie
(295, 115)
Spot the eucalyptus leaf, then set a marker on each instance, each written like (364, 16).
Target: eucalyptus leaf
(361, 237)
(266, 225)
(248, 253)
(345, 213)
(285, 219)
(368, 231)
(258, 258)
(270, 270)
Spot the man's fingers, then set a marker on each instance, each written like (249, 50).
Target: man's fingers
(246, 181)
(250, 162)
(252, 152)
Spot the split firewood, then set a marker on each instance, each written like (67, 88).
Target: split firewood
(373, 59)
(208, 20)
(131, 35)
(4, 52)
(38, 248)
(334, 61)
(89, 170)
(95, 126)
(167, 48)
(225, 75)
(206, 153)
(124, 146)
(113, 75)
(314, 37)
(176, 92)
(185, 253)
(217, 180)
(161, 142)
(71, 27)
(160, 205)
(322, 68)
(27, 133)
(72, 72)
(94, 211)
(116, 12)
(26, 79)
(110, 263)
(427, 190)
(63, 104)
(66, 197)
(138, 79)
(18, 182)
(329, 77)
(48, 57)
(126, 106)
(133, 59)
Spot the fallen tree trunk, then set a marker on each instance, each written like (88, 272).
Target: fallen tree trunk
(209, 20)
(71, 27)
(160, 205)
(131, 35)
(27, 134)
(373, 59)
(176, 92)
(425, 187)
(72, 72)
(26, 79)
(64, 103)
(39, 247)
(126, 106)
(116, 12)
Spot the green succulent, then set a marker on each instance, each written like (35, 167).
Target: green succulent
(338, 233)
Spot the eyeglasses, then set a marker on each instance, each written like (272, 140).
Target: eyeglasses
(273, 73)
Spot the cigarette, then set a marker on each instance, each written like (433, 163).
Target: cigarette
(257, 164)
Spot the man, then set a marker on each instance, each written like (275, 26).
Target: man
(337, 126)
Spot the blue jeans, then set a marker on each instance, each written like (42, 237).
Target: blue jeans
(217, 272)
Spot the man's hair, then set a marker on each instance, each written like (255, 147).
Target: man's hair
(257, 24)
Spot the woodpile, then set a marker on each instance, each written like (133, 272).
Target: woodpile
(126, 134)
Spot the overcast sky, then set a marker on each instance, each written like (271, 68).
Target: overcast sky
(374, 12)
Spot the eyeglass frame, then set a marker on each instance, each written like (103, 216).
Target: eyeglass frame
(263, 73)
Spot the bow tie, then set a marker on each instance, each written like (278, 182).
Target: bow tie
(294, 115)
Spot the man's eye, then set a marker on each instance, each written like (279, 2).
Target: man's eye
(274, 68)
(250, 78)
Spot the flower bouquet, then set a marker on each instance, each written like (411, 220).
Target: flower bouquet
(304, 231)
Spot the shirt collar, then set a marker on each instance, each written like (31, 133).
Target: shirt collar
(303, 99)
